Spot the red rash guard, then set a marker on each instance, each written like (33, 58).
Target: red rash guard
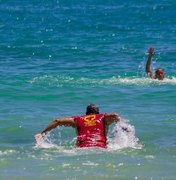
(90, 130)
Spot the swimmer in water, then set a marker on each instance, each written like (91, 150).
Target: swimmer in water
(91, 128)
(159, 72)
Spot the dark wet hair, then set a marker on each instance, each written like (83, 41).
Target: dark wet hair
(92, 109)
(159, 70)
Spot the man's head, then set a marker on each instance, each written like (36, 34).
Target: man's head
(159, 74)
(92, 109)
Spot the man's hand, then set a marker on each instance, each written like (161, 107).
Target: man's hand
(116, 117)
(151, 51)
(38, 138)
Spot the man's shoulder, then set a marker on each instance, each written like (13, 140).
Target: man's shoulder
(78, 117)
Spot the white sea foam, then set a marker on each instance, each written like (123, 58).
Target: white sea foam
(7, 152)
(82, 81)
(147, 81)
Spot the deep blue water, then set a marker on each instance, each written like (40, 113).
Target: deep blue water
(56, 57)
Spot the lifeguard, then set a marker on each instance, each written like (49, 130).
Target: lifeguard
(91, 128)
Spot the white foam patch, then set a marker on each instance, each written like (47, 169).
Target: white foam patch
(123, 137)
(142, 81)
(7, 152)
(82, 81)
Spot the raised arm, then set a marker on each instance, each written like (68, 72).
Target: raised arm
(148, 64)
(54, 124)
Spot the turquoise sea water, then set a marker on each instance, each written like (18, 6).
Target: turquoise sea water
(58, 56)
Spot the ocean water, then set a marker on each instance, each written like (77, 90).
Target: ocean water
(58, 56)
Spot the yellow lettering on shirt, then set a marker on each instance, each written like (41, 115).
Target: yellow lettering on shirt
(90, 120)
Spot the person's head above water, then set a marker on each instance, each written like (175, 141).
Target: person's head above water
(92, 109)
(159, 74)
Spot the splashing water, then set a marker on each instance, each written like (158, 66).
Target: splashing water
(45, 142)
(123, 137)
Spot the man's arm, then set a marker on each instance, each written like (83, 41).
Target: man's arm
(111, 117)
(148, 64)
(54, 124)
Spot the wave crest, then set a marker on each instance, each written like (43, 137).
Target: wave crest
(59, 81)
